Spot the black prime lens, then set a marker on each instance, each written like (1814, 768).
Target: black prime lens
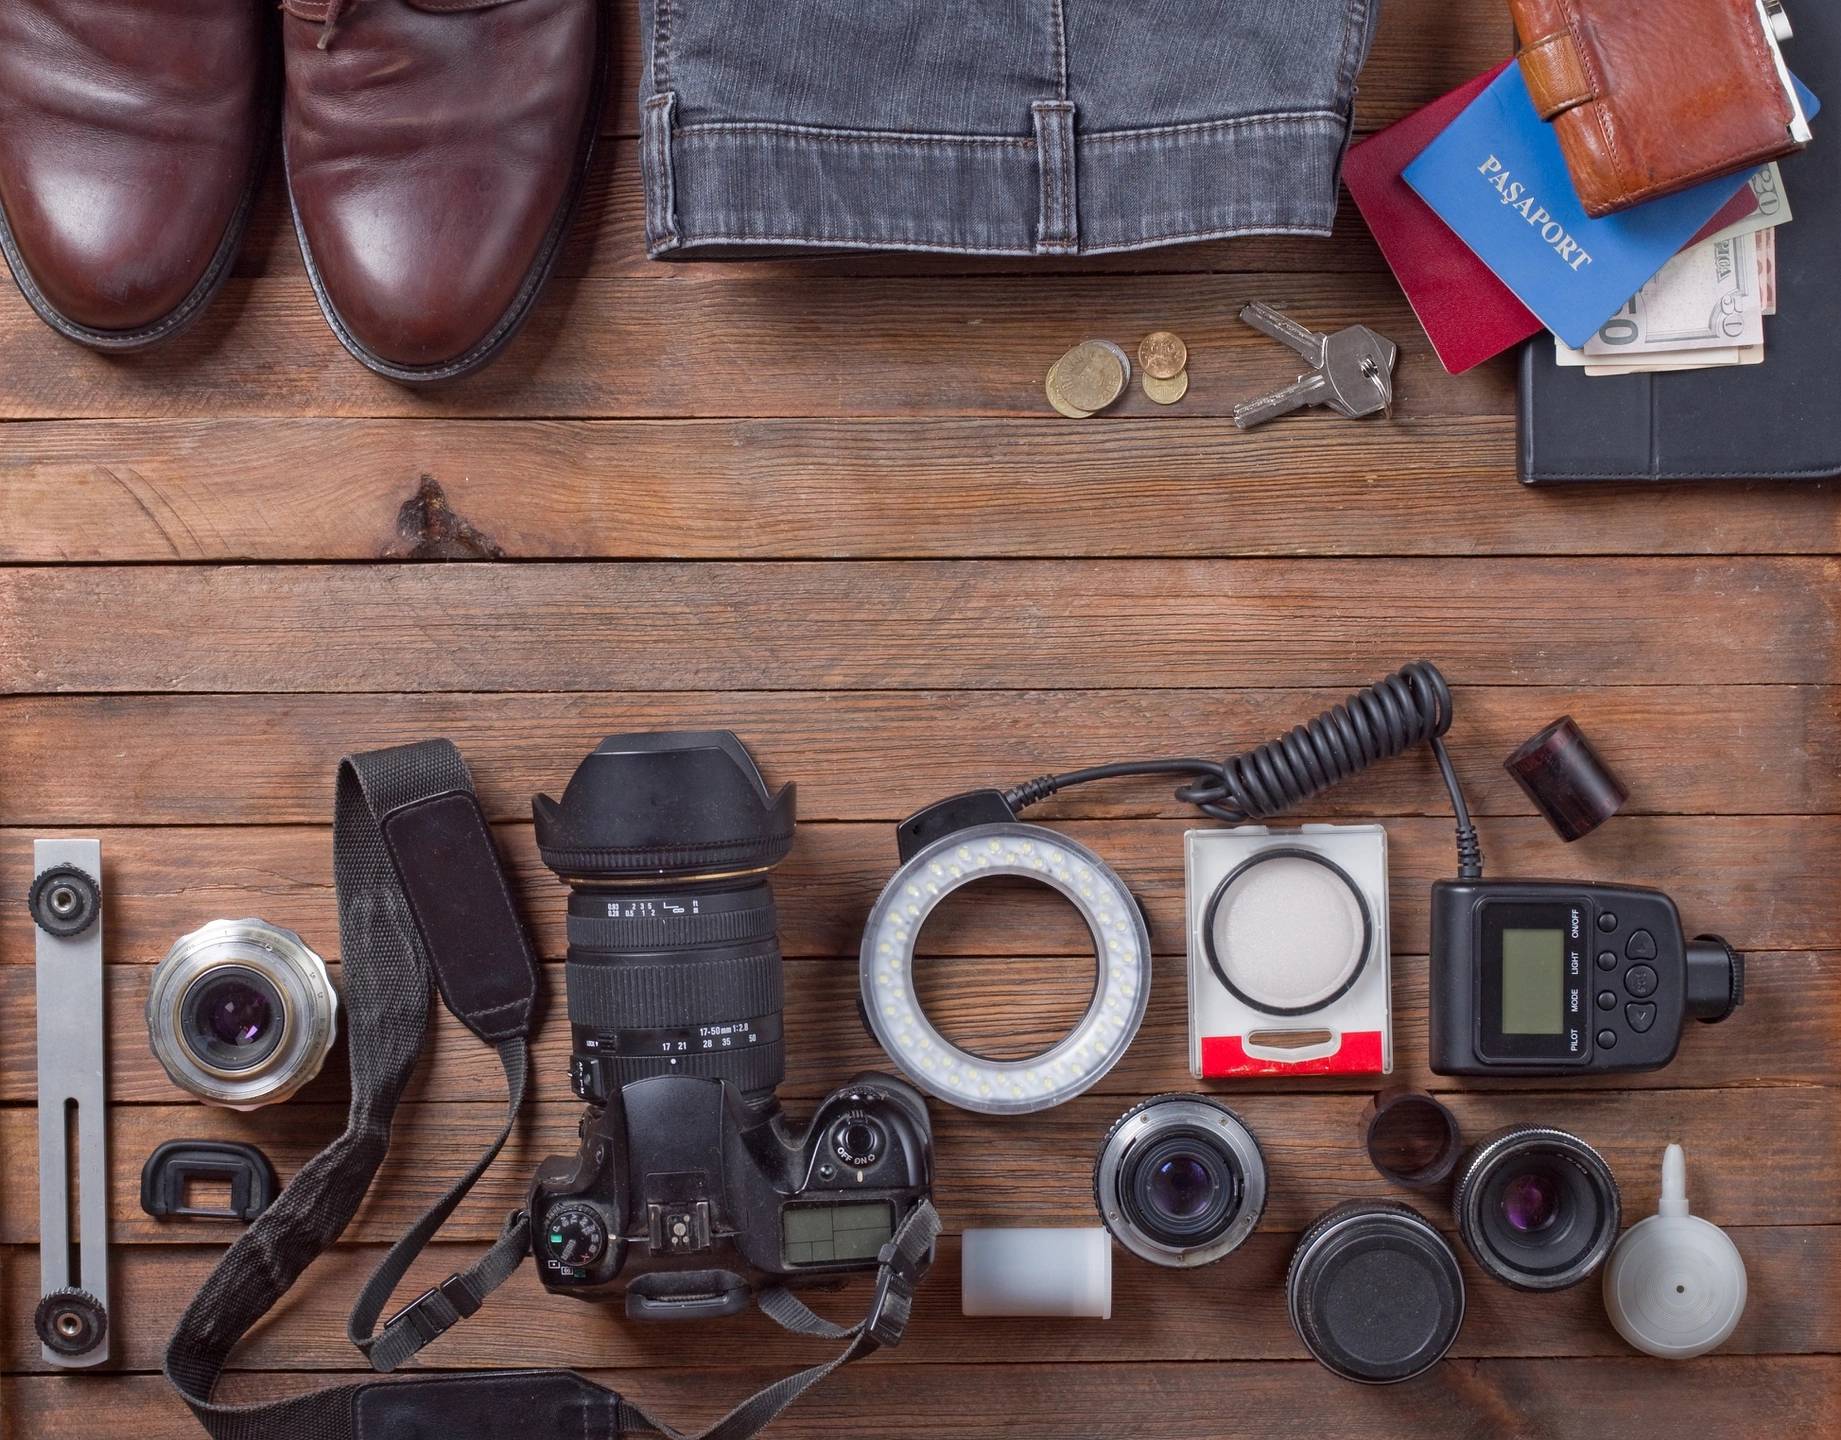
(665, 840)
(1375, 1292)
(680, 981)
(1179, 1181)
(1538, 1208)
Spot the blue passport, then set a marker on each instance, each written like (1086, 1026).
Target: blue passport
(1497, 177)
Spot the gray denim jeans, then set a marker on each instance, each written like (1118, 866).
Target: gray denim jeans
(995, 127)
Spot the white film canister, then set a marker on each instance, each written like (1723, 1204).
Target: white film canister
(1066, 1273)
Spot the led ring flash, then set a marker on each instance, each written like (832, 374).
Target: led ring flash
(1090, 1049)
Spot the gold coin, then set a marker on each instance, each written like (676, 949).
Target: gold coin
(1167, 392)
(1054, 398)
(1163, 355)
(1089, 377)
(1124, 359)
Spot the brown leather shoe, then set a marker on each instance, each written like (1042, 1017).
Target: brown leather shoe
(435, 150)
(131, 142)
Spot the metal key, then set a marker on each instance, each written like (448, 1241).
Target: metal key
(1352, 371)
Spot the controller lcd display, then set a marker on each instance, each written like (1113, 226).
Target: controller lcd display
(827, 1234)
(1533, 982)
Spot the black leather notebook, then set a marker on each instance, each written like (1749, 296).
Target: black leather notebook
(1777, 421)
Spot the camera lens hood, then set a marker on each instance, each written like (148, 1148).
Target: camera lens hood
(684, 803)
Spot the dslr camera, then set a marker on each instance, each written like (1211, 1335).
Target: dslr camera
(691, 1189)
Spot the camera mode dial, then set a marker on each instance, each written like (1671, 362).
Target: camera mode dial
(575, 1236)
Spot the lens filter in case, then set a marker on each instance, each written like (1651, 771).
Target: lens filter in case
(1375, 1292)
(1288, 951)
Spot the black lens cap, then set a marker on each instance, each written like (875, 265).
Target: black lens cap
(1375, 1292)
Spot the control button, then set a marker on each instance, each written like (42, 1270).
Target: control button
(1640, 981)
(1607, 999)
(589, 1076)
(1641, 945)
(1641, 1017)
(858, 1141)
(1607, 959)
(1607, 921)
(1607, 1039)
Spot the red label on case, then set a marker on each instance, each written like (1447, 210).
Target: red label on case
(1359, 1054)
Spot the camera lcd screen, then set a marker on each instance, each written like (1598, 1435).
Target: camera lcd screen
(1533, 982)
(827, 1234)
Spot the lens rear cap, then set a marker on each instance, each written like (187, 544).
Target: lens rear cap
(1375, 1292)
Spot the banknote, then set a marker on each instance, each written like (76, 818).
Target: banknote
(1707, 297)
(1658, 361)
(1704, 358)
(1670, 362)
(1773, 206)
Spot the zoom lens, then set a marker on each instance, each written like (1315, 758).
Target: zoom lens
(241, 1013)
(1538, 1208)
(1179, 1180)
(665, 841)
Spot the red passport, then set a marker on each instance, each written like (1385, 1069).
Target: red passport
(1468, 314)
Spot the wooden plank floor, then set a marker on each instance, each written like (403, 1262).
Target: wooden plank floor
(822, 503)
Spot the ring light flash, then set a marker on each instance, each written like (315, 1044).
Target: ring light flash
(944, 1070)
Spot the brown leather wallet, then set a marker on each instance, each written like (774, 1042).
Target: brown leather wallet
(1650, 98)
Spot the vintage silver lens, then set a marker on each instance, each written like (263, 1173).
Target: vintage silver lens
(241, 1013)
(1179, 1180)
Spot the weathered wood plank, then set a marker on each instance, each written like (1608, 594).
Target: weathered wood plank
(1760, 1155)
(258, 489)
(722, 342)
(1231, 1311)
(1717, 1398)
(997, 625)
(1767, 883)
(270, 759)
(1010, 1006)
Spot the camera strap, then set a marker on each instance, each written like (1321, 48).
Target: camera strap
(423, 899)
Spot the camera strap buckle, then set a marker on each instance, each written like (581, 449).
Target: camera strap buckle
(436, 1311)
(904, 1260)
